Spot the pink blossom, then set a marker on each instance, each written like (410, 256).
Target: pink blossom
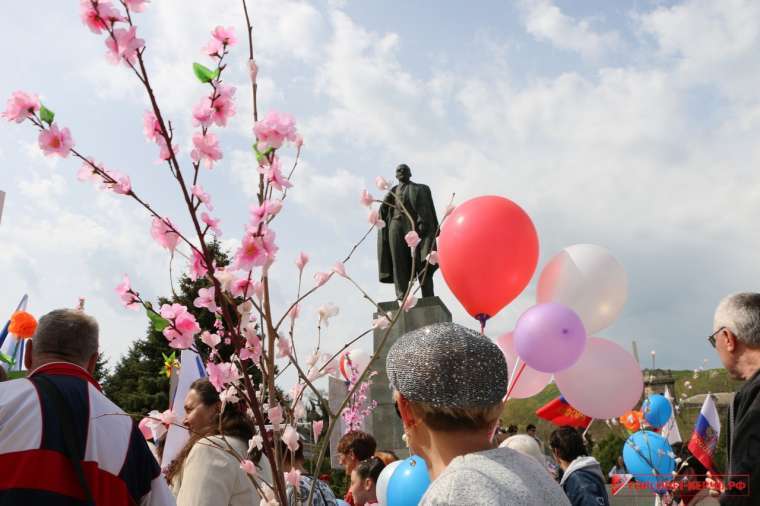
(381, 322)
(326, 312)
(225, 278)
(242, 287)
(316, 427)
(340, 269)
(274, 129)
(121, 183)
(56, 142)
(321, 278)
(164, 152)
(222, 107)
(293, 477)
(154, 424)
(145, 429)
(381, 183)
(206, 149)
(170, 311)
(412, 239)
(366, 198)
(290, 437)
(198, 267)
(273, 174)
(409, 303)
(136, 5)
(125, 46)
(256, 250)
(249, 467)
(168, 417)
(432, 258)
(20, 106)
(127, 295)
(294, 312)
(204, 197)
(302, 260)
(298, 142)
(213, 223)
(252, 350)
(206, 298)
(225, 35)
(275, 416)
(210, 340)
(283, 347)
(183, 327)
(260, 214)
(163, 232)
(222, 374)
(202, 113)
(100, 17)
(374, 219)
(87, 172)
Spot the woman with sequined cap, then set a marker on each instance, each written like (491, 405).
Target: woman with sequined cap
(449, 383)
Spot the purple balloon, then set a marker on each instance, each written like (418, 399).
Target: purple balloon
(549, 337)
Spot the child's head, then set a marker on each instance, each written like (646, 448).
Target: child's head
(364, 479)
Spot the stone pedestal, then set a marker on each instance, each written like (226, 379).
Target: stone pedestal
(384, 424)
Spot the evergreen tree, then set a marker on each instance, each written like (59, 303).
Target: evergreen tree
(138, 383)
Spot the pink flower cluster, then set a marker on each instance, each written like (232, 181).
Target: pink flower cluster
(217, 108)
(182, 326)
(221, 38)
(20, 106)
(257, 249)
(162, 231)
(358, 408)
(54, 141)
(206, 149)
(128, 297)
(274, 130)
(222, 374)
(272, 171)
(122, 43)
(111, 180)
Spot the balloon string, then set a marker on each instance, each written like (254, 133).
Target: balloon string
(482, 318)
(516, 378)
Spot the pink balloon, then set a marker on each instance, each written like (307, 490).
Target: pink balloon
(530, 381)
(605, 382)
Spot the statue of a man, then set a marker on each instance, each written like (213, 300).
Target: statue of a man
(394, 254)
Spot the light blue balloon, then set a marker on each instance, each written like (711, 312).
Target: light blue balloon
(409, 482)
(657, 410)
(649, 458)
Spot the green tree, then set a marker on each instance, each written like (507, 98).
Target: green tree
(138, 383)
(608, 450)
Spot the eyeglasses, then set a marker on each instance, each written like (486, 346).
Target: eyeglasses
(711, 338)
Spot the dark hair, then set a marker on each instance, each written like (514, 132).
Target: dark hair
(387, 456)
(529, 427)
(235, 423)
(360, 443)
(370, 468)
(512, 429)
(568, 443)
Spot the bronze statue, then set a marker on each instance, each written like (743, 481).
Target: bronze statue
(393, 253)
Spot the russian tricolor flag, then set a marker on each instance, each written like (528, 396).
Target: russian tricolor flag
(704, 439)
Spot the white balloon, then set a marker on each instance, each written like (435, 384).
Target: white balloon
(381, 489)
(587, 279)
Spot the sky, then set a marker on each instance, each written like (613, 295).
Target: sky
(633, 125)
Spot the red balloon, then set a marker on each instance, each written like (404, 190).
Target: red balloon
(487, 252)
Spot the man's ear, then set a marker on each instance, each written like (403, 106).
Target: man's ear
(405, 409)
(92, 363)
(368, 484)
(28, 355)
(730, 340)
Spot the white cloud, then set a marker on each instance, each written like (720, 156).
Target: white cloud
(545, 21)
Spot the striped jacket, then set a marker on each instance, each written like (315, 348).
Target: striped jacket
(119, 468)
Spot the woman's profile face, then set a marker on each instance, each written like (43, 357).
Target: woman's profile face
(198, 416)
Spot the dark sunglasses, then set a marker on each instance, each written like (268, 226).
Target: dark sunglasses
(711, 338)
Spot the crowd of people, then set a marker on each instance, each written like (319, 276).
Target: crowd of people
(60, 442)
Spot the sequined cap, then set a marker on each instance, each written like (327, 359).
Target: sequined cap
(446, 364)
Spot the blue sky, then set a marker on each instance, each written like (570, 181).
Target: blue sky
(632, 125)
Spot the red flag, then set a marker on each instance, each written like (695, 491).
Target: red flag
(559, 412)
(619, 481)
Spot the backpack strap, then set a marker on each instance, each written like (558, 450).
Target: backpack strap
(71, 448)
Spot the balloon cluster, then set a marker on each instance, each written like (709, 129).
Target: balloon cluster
(488, 252)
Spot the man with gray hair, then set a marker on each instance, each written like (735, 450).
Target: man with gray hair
(66, 442)
(736, 337)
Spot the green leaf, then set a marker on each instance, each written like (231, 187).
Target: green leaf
(17, 374)
(46, 114)
(159, 323)
(204, 74)
(7, 359)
